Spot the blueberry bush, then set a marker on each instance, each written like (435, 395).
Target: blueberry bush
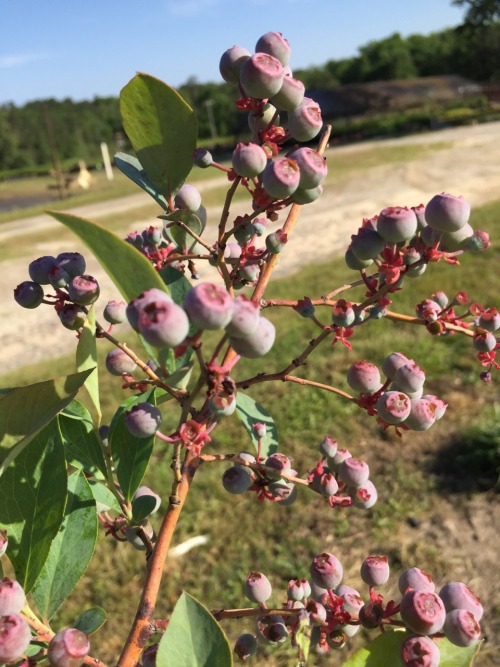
(65, 474)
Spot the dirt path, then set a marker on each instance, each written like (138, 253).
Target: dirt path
(471, 167)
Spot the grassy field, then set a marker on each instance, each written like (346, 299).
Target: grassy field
(245, 535)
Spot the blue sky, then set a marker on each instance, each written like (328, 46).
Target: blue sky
(69, 48)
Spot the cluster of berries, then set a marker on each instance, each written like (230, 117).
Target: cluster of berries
(334, 612)
(400, 400)
(68, 648)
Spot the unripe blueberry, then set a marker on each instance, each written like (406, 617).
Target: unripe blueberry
(461, 627)
(202, 158)
(256, 344)
(133, 538)
(489, 319)
(188, 198)
(305, 122)
(143, 420)
(350, 630)
(456, 595)
(261, 76)
(84, 290)
(244, 232)
(328, 447)
(222, 404)
(236, 479)
(259, 121)
(343, 314)
(325, 483)
(375, 570)
(232, 252)
(245, 646)
(136, 306)
(245, 317)
(409, 377)
(428, 310)
(249, 272)
(118, 362)
(422, 611)
(136, 239)
(370, 615)
(15, 636)
(477, 242)
(354, 263)
(146, 491)
(39, 269)
(259, 225)
(152, 235)
(439, 405)
(339, 456)
(28, 294)
(12, 597)
(451, 241)
(440, 298)
(275, 45)
(484, 341)
(422, 415)
(281, 177)
(352, 599)
(415, 578)
(317, 612)
(364, 377)
(72, 262)
(283, 491)
(231, 62)
(420, 652)
(367, 243)
(272, 629)
(72, 316)
(295, 590)
(326, 570)
(115, 312)
(209, 306)
(278, 461)
(396, 224)
(353, 472)
(68, 648)
(364, 496)
(249, 160)
(447, 213)
(393, 406)
(163, 324)
(420, 213)
(290, 95)
(257, 587)
(304, 196)
(312, 165)
(276, 241)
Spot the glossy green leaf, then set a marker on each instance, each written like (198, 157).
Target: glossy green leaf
(33, 495)
(103, 497)
(178, 235)
(142, 507)
(385, 650)
(193, 638)
(250, 413)
(130, 271)
(130, 454)
(162, 128)
(178, 285)
(91, 620)
(86, 359)
(131, 167)
(26, 410)
(81, 443)
(71, 549)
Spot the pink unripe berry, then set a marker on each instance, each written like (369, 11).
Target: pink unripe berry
(393, 406)
(118, 362)
(364, 496)
(188, 198)
(339, 456)
(352, 599)
(312, 165)
(281, 177)
(410, 377)
(439, 405)
(163, 324)
(484, 341)
(245, 317)
(422, 611)
(428, 310)
(258, 343)
(317, 612)
(209, 306)
(143, 420)
(489, 319)
(326, 570)
(325, 483)
(456, 595)
(364, 377)
(68, 648)
(136, 306)
(12, 597)
(422, 415)
(343, 314)
(367, 243)
(115, 312)
(477, 242)
(15, 636)
(447, 213)
(275, 45)
(231, 62)
(258, 587)
(328, 447)
(396, 224)
(261, 76)
(290, 95)
(420, 213)
(375, 570)
(84, 290)
(415, 578)
(305, 122)
(202, 157)
(295, 590)
(222, 404)
(420, 652)
(249, 160)
(353, 472)
(461, 627)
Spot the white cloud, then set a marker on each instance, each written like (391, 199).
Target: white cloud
(190, 8)
(19, 59)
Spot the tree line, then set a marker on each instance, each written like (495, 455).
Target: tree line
(471, 50)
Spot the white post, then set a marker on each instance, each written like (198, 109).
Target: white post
(107, 161)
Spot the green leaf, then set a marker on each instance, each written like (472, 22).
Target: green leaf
(130, 454)
(81, 443)
(131, 167)
(32, 500)
(303, 640)
(91, 620)
(162, 129)
(71, 549)
(193, 638)
(142, 507)
(129, 269)
(178, 285)
(385, 650)
(103, 497)
(183, 240)
(26, 410)
(250, 413)
(86, 359)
